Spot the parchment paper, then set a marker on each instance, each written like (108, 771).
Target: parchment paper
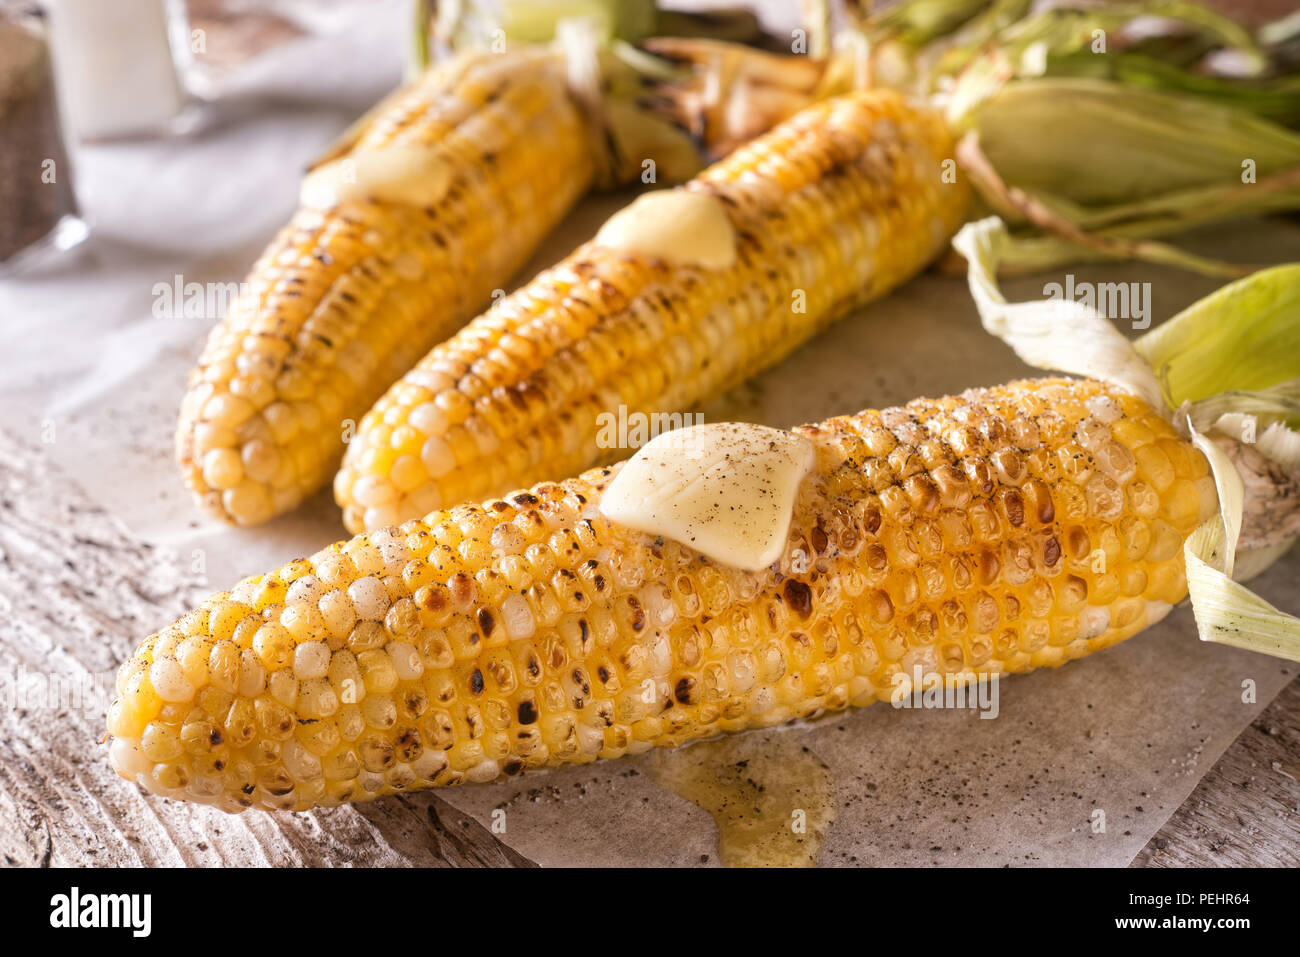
(1129, 731)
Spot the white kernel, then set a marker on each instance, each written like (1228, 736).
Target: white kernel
(590, 740)
(486, 770)
(301, 764)
(128, 760)
(508, 539)
(437, 456)
(406, 660)
(380, 516)
(308, 589)
(283, 687)
(252, 674)
(429, 764)
(428, 419)
(518, 617)
(1093, 621)
(311, 659)
(1104, 408)
(369, 598)
(395, 554)
(430, 379)
(338, 613)
(245, 592)
(367, 558)
(661, 656)
(372, 491)
(658, 606)
(169, 680)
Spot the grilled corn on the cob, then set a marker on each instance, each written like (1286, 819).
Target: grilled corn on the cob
(349, 296)
(833, 208)
(997, 531)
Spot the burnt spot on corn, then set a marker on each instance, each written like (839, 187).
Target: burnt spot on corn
(798, 597)
(1051, 552)
(684, 690)
(527, 712)
(819, 539)
(1015, 506)
(871, 520)
(637, 613)
(476, 682)
(486, 622)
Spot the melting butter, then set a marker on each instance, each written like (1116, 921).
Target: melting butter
(727, 490)
(413, 175)
(679, 225)
(772, 800)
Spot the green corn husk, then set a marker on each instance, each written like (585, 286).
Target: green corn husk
(1230, 357)
(1094, 139)
(1197, 354)
(1097, 143)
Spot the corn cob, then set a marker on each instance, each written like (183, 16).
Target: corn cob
(998, 531)
(347, 298)
(833, 208)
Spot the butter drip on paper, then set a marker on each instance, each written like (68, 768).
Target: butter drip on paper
(772, 799)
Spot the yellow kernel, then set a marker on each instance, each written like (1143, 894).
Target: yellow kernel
(228, 410)
(222, 468)
(377, 671)
(274, 645)
(304, 622)
(168, 679)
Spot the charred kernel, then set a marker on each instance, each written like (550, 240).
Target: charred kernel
(684, 690)
(819, 539)
(798, 597)
(1014, 504)
(637, 613)
(527, 712)
(1051, 552)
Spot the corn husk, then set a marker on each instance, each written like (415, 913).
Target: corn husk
(1097, 129)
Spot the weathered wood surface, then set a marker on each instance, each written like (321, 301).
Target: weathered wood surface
(1246, 810)
(77, 591)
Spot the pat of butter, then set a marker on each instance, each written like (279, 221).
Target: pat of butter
(726, 490)
(413, 175)
(681, 226)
